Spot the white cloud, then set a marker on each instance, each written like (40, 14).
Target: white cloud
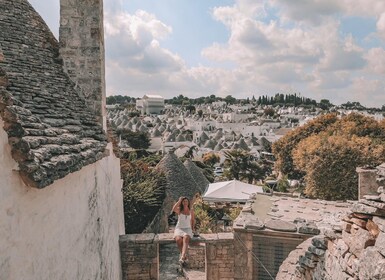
(273, 46)
(132, 41)
(368, 91)
(311, 11)
(376, 61)
(381, 26)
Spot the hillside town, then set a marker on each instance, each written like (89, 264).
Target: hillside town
(214, 127)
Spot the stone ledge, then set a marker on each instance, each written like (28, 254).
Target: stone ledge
(166, 238)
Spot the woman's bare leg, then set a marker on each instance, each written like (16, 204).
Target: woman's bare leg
(186, 241)
(179, 243)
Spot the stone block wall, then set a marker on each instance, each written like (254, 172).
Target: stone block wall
(197, 254)
(220, 257)
(243, 266)
(357, 251)
(139, 256)
(82, 50)
(367, 183)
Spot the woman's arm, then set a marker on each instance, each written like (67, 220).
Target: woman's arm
(176, 207)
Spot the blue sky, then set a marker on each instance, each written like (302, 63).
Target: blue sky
(320, 48)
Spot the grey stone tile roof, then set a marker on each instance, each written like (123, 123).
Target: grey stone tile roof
(179, 180)
(51, 131)
(197, 175)
(279, 213)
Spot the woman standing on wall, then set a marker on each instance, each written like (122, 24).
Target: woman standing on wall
(184, 227)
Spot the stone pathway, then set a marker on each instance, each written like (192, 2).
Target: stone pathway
(168, 265)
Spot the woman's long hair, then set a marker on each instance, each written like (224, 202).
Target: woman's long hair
(181, 206)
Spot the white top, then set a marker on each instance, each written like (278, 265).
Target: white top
(184, 221)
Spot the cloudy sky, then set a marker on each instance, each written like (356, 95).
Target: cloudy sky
(320, 48)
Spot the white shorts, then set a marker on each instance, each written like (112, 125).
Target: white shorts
(182, 232)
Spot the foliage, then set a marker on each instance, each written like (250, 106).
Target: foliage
(143, 193)
(283, 184)
(136, 140)
(285, 99)
(206, 169)
(240, 165)
(210, 158)
(119, 99)
(283, 148)
(269, 112)
(329, 158)
(203, 220)
(234, 212)
(190, 152)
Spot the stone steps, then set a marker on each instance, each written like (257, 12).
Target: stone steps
(168, 265)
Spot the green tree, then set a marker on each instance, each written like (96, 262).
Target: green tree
(328, 159)
(283, 148)
(330, 163)
(143, 194)
(190, 152)
(136, 140)
(210, 158)
(241, 166)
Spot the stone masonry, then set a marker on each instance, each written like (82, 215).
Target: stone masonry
(357, 251)
(50, 129)
(140, 255)
(82, 49)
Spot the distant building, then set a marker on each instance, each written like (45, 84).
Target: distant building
(150, 104)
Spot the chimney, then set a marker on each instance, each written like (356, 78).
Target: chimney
(81, 37)
(367, 181)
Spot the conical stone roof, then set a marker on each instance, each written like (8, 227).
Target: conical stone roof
(218, 147)
(242, 145)
(156, 133)
(197, 174)
(179, 180)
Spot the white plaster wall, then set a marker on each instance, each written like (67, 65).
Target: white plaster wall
(68, 230)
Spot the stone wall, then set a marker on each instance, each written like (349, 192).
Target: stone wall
(220, 256)
(140, 255)
(197, 255)
(68, 230)
(82, 49)
(357, 251)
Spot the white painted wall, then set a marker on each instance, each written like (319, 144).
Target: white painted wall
(68, 230)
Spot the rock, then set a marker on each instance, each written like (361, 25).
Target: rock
(366, 209)
(341, 248)
(280, 225)
(299, 220)
(372, 197)
(304, 261)
(330, 234)
(371, 265)
(380, 222)
(361, 216)
(378, 205)
(309, 228)
(319, 242)
(359, 222)
(358, 240)
(316, 251)
(348, 227)
(380, 243)
(372, 228)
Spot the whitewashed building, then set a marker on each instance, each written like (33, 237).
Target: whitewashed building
(150, 104)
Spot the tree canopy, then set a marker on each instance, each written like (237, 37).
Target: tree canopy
(327, 151)
(136, 140)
